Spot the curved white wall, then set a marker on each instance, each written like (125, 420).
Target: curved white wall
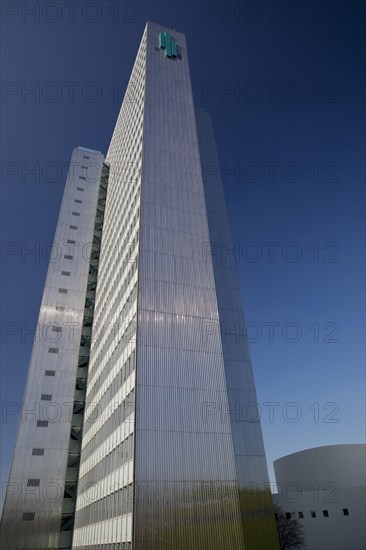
(324, 488)
(343, 463)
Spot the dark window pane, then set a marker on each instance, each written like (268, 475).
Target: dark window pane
(38, 452)
(28, 516)
(46, 397)
(33, 483)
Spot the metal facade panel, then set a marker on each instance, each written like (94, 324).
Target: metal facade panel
(243, 413)
(178, 454)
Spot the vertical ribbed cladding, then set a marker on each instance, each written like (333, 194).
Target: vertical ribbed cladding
(78, 407)
(185, 476)
(251, 469)
(134, 485)
(105, 495)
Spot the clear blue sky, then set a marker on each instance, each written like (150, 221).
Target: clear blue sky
(294, 131)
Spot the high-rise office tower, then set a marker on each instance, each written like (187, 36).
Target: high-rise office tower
(161, 449)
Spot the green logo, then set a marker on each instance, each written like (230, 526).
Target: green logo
(168, 43)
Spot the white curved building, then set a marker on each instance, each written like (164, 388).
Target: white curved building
(324, 488)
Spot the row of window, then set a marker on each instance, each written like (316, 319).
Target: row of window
(109, 546)
(126, 239)
(29, 516)
(103, 341)
(111, 389)
(42, 423)
(288, 515)
(120, 413)
(47, 397)
(115, 504)
(109, 463)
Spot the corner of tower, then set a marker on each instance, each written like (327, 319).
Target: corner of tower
(159, 26)
(87, 150)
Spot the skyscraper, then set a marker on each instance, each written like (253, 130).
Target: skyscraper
(156, 444)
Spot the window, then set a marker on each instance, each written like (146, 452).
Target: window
(78, 200)
(73, 226)
(49, 372)
(85, 167)
(76, 213)
(82, 178)
(37, 452)
(66, 273)
(56, 329)
(60, 308)
(63, 290)
(345, 512)
(46, 397)
(42, 423)
(301, 514)
(80, 188)
(326, 513)
(28, 516)
(33, 483)
(52, 350)
(313, 514)
(68, 257)
(85, 157)
(70, 241)
(288, 515)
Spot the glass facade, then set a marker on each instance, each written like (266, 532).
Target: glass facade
(105, 497)
(167, 459)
